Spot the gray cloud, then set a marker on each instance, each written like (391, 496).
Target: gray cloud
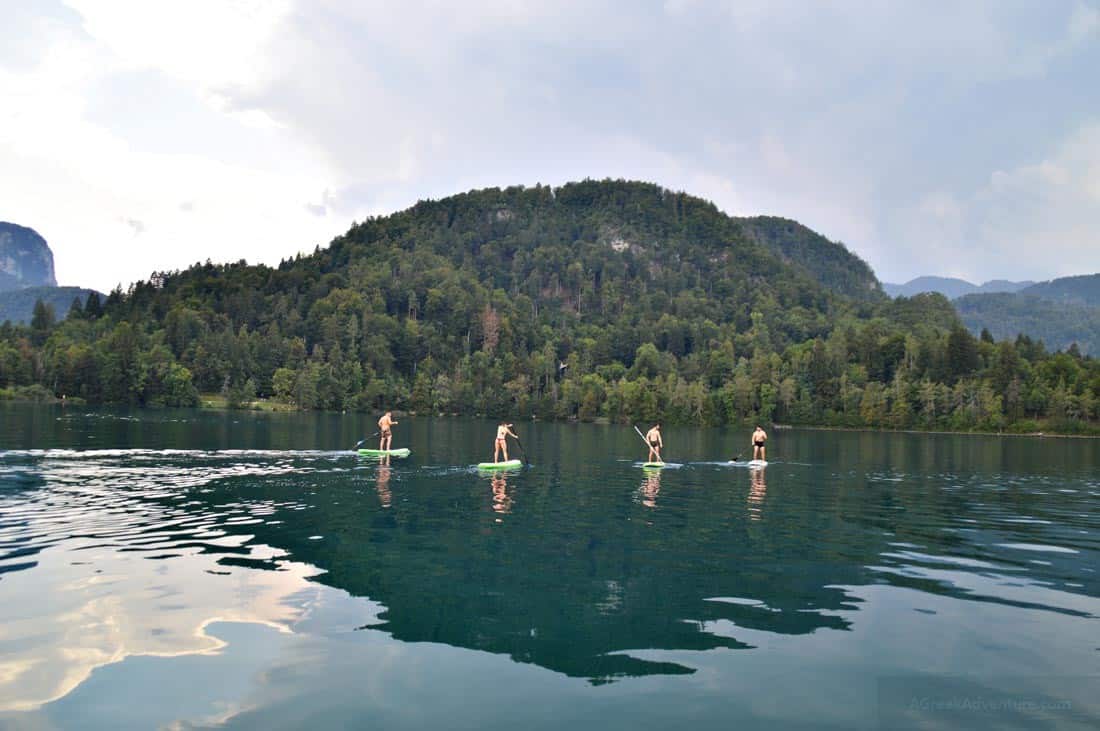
(853, 118)
(929, 138)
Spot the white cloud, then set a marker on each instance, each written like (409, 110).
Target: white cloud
(1048, 213)
(213, 43)
(84, 185)
(257, 129)
(1034, 221)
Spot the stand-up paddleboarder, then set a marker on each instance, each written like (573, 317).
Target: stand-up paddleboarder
(385, 428)
(656, 444)
(759, 439)
(504, 430)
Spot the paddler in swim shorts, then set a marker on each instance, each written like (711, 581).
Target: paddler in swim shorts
(759, 438)
(504, 431)
(385, 425)
(656, 444)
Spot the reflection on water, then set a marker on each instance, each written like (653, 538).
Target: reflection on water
(758, 489)
(860, 557)
(115, 562)
(382, 484)
(651, 487)
(502, 504)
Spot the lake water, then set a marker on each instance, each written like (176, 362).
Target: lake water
(191, 569)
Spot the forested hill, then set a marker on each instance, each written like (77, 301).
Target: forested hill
(596, 299)
(562, 243)
(828, 262)
(1060, 325)
(1061, 312)
(1081, 290)
(593, 270)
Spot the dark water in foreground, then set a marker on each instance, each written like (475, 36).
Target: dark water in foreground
(192, 569)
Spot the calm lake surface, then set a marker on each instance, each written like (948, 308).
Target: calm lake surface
(193, 569)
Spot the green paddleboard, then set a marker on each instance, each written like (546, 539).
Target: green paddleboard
(653, 465)
(509, 465)
(383, 452)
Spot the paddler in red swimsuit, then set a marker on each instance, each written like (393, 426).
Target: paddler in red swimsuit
(501, 445)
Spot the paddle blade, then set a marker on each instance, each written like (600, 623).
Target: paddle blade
(523, 452)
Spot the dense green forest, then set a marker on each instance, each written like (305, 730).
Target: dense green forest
(1061, 312)
(1058, 324)
(827, 262)
(1080, 290)
(599, 299)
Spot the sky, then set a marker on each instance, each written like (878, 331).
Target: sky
(958, 139)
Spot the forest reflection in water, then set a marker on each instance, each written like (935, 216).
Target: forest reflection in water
(583, 565)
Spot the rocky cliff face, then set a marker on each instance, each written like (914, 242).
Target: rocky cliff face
(25, 258)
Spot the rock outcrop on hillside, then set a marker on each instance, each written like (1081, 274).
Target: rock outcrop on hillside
(25, 258)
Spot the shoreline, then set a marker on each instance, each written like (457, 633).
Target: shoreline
(875, 430)
(267, 406)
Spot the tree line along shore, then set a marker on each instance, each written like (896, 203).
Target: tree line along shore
(595, 300)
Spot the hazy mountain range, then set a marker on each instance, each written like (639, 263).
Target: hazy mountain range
(1059, 312)
(17, 305)
(1058, 324)
(951, 287)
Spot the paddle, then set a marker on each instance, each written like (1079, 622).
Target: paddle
(657, 449)
(361, 441)
(523, 452)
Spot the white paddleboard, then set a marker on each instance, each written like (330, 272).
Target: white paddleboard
(746, 463)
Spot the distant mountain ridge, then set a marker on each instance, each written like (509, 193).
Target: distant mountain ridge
(17, 305)
(1060, 312)
(1007, 314)
(1079, 290)
(952, 287)
(25, 258)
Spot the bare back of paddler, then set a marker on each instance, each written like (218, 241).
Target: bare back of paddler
(656, 444)
(385, 430)
(501, 444)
